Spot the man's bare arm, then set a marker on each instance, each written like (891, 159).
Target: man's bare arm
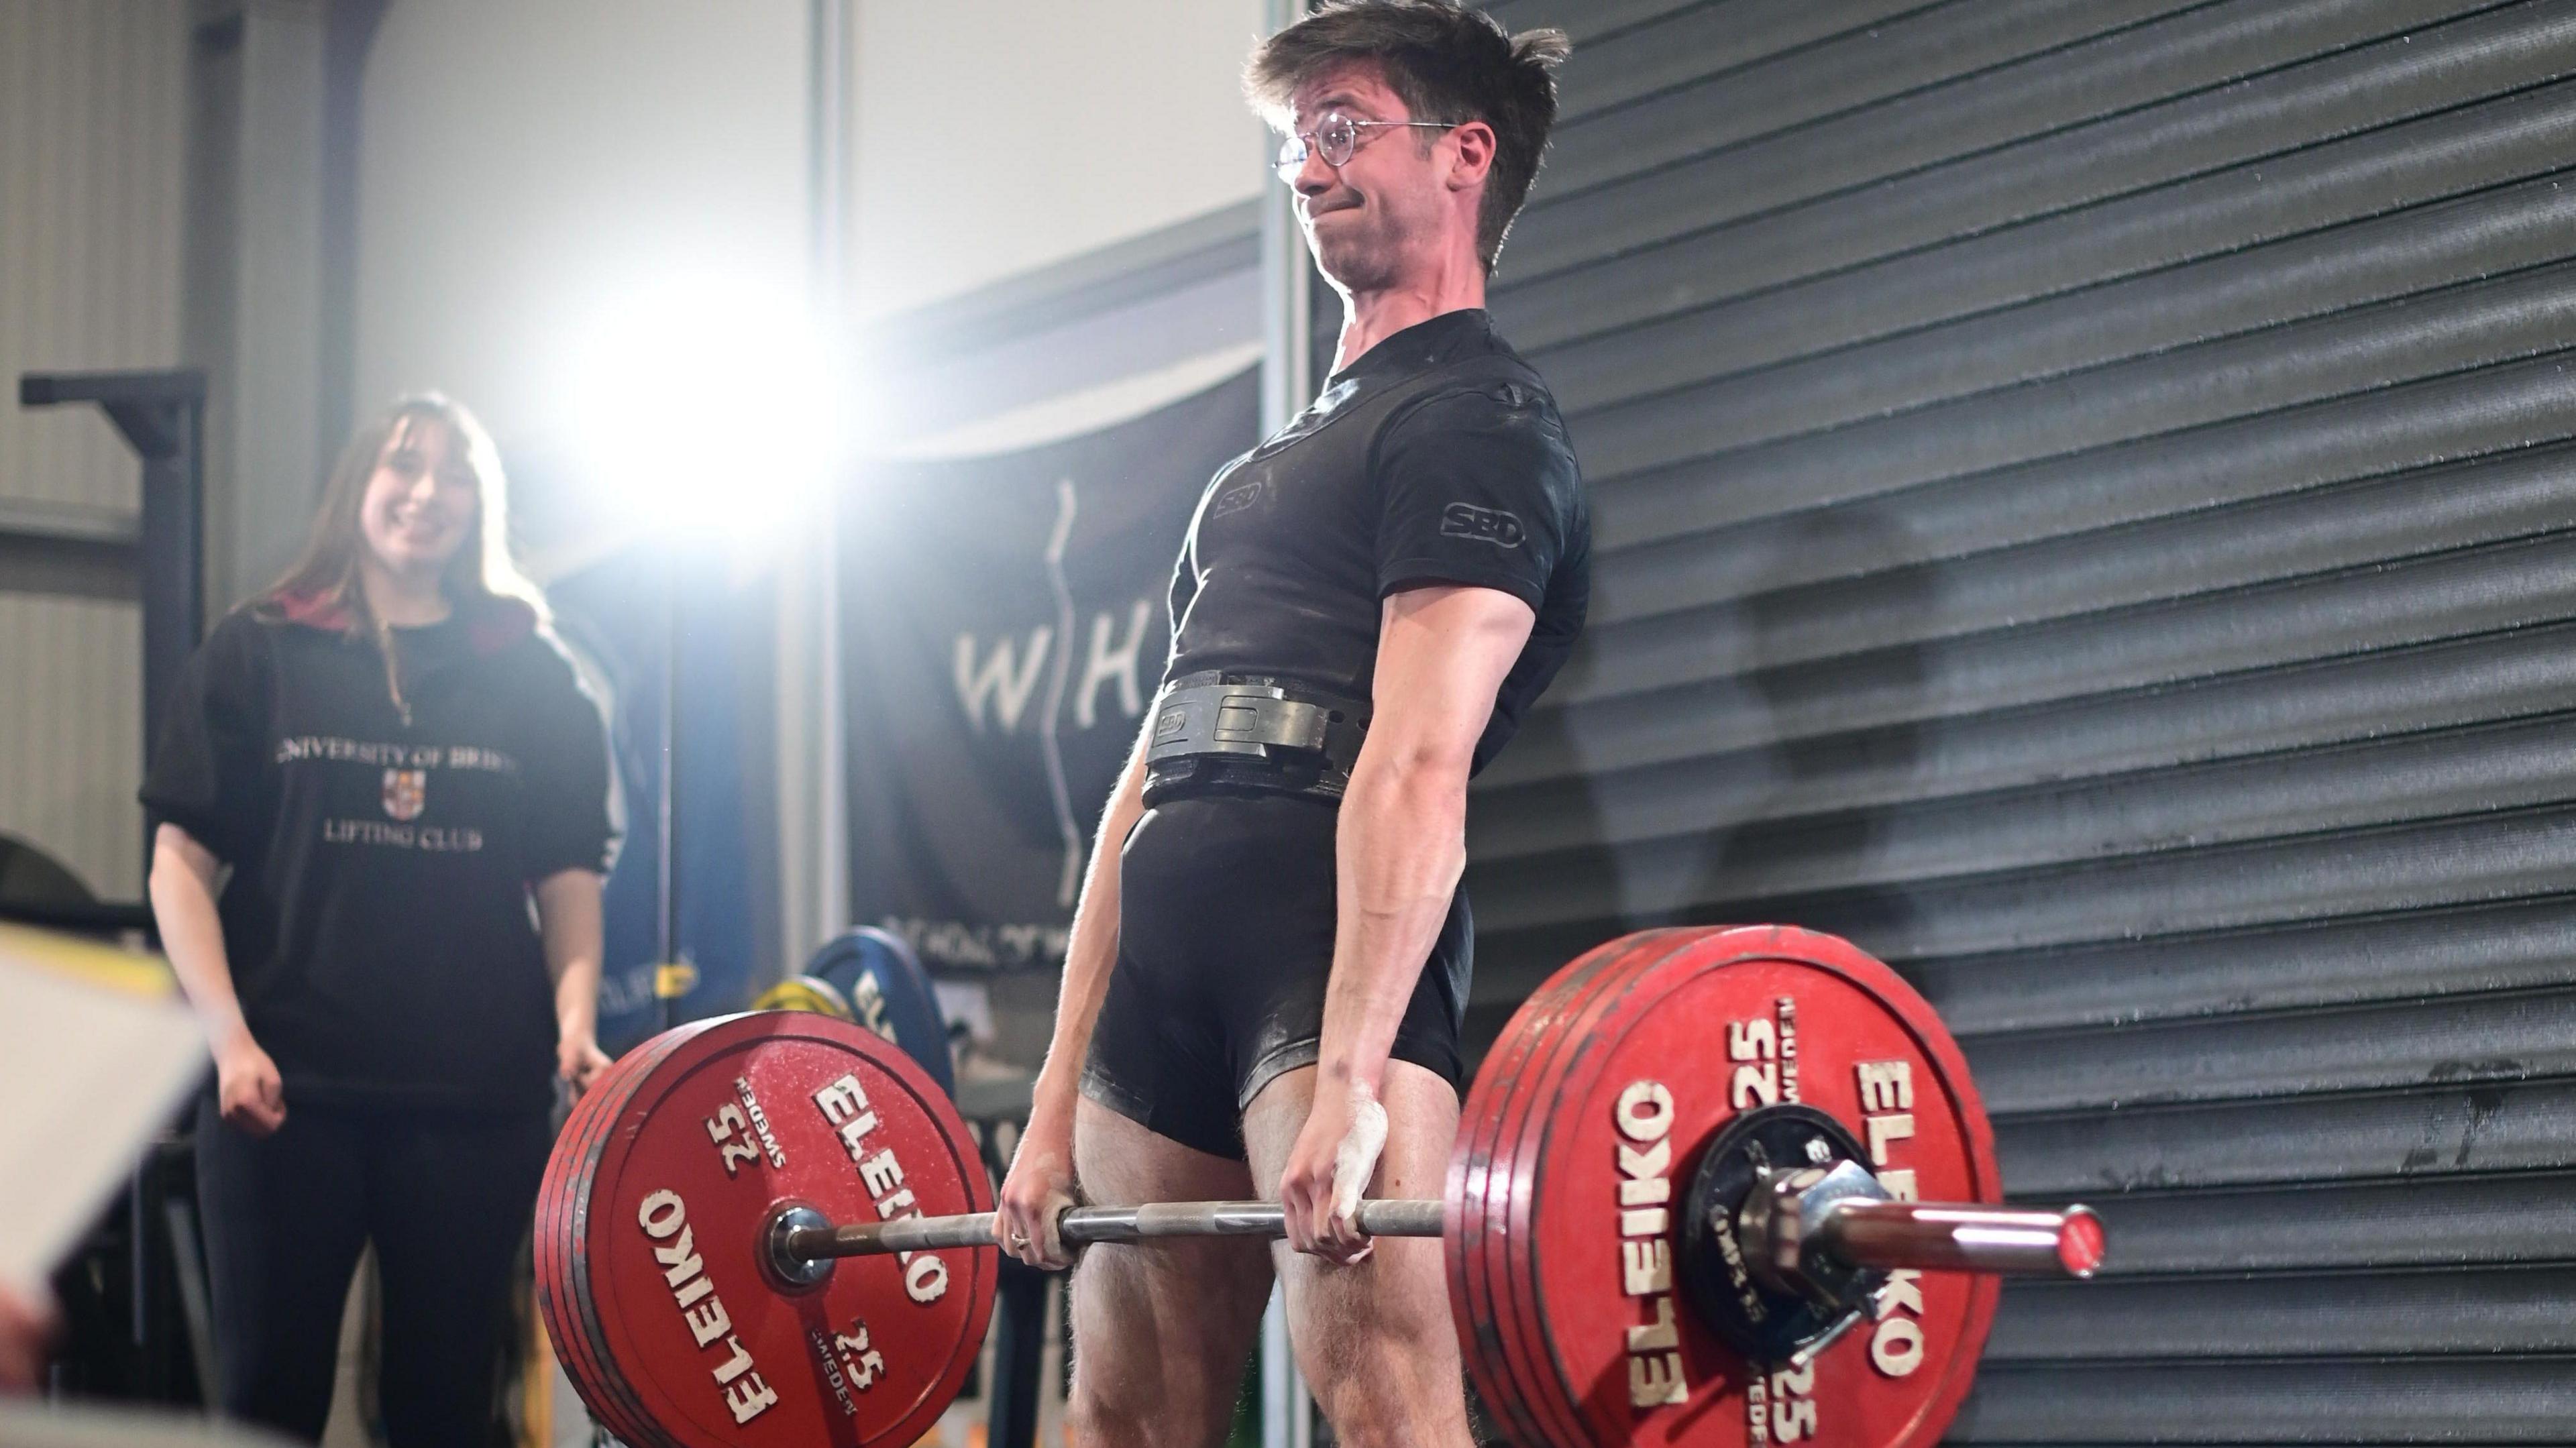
(1092, 946)
(1041, 1175)
(1401, 845)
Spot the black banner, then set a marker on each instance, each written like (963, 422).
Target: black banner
(1003, 623)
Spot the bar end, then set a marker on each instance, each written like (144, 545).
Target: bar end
(2081, 1242)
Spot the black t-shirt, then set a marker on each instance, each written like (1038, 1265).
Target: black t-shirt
(1437, 457)
(378, 917)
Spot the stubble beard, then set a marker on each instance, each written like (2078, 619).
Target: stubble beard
(1357, 259)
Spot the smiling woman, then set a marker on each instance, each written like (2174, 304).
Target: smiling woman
(408, 785)
(390, 542)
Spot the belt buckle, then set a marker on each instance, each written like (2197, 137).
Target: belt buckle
(1244, 720)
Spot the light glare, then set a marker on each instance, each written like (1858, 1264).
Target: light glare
(710, 407)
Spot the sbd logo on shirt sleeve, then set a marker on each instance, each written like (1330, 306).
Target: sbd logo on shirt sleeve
(1490, 525)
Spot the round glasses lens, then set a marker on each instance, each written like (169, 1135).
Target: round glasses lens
(1337, 136)
(1292, 156)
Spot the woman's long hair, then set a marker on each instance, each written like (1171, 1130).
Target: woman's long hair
(324, 579)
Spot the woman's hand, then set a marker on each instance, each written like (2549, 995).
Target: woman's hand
(569, 922)
(27, 1328)
(248, 1090)
(578, 1060)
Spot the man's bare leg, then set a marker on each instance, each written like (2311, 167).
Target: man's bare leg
(1374, 1340)
(1162, 1330)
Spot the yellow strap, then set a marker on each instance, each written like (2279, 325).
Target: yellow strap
(130, 971)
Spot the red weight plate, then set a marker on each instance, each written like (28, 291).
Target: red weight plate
(1508, 1088)
(1511, 1083)
(550, 1282)
(562, 1326)
(1522, 1237)
(1522, 1334)
(1464, 1230)
(622, 1410)
(1708, 1026)
(755, 1113)
(1490, 1099)
(1463, 1221)
(611, 1401)
(1504, 1088)
(559, 1292)
(1524, 1329)
(1532, 1224)
(574, 1339)
(1524, 1231)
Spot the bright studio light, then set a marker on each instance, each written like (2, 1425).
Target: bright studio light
(710, 408)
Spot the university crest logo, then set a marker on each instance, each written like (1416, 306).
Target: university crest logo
(406, 792)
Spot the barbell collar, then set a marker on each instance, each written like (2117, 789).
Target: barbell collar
(1079, 1226)
(1941, 1236)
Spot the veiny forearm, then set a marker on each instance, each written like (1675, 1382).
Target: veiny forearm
(569, 922)
(1399, 850)
(1091, 950)
(182, 889)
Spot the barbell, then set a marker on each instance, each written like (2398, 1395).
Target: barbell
(1711, 1186)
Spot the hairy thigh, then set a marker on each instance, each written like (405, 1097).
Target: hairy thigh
(1162, 1329)
(1380, 1328)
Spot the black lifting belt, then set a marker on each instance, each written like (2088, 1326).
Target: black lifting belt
(1252, 731)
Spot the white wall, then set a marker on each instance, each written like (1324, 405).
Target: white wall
(524, 165)
(999, 135)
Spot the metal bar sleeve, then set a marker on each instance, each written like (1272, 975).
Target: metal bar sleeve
(1419, 1217)
(1941, 1236)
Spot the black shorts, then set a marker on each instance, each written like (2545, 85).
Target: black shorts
(1225, 941)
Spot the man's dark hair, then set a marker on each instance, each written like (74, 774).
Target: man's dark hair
(1447, 63)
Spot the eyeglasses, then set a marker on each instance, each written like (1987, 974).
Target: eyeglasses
(1335, 138)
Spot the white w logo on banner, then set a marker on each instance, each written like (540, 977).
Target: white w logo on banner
(1005, 677)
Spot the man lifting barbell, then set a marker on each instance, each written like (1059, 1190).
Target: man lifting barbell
(1693, 1165)
(1268, 969)
(1717, 1187)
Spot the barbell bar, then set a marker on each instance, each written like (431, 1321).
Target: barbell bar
(1938, 1236)
(1082, 1226)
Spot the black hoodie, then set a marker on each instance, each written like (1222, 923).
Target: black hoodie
(378, 918)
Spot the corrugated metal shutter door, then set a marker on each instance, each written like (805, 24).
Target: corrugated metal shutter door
(2083, 498)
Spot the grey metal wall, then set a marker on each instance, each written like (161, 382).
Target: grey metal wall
(2083, 496)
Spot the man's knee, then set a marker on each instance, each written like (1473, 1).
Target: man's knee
(1090, 1418)
(1394, 1403)
(1161, 1337)
(1380, 1351)
(1101, 1410)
